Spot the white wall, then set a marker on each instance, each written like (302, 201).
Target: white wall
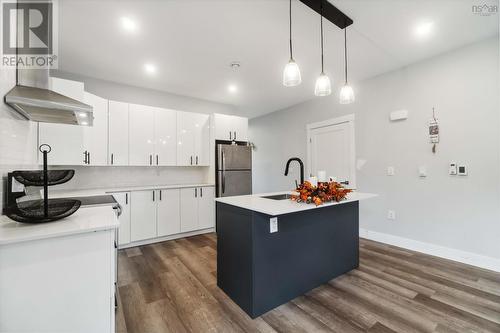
(461, 213)
(18, 139)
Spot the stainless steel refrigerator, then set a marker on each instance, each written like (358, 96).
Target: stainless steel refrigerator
(234, 170)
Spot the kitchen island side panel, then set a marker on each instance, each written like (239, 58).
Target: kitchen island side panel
(310, 248)
(234, 254)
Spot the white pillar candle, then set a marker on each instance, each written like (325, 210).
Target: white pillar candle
(322, 176)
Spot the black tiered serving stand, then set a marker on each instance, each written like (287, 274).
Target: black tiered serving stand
(42, 210)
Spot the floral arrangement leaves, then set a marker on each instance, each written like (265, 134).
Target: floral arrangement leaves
(324, 192)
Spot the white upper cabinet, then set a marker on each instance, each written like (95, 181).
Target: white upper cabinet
(66, 141)
(165, 129)
(193, 139)
(95, 137)
(141, 135)
(230, 127)
(118, 133)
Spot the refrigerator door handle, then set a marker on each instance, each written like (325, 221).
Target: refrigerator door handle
(223, 172)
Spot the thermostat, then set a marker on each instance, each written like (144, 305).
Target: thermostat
(462, 170)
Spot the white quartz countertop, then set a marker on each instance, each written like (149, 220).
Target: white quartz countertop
(272, 207)
(103, 191)
(85, 219)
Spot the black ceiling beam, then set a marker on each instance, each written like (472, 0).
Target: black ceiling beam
(330, 12)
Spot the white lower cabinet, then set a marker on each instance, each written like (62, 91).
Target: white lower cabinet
(197, 208)
(168, 218)
(147, 215)
(206, 208)
(143, 215)
(123, 199)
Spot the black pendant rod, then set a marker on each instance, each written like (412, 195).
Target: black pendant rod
(290, 20)
(330, 12)
(345, 53)
(322, 67)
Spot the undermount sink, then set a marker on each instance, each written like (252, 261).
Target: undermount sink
(278, 197)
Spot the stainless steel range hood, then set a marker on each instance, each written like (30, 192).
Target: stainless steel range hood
(44, 105)
(32, 98)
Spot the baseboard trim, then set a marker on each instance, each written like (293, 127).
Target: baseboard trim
(166, 238)
(434, 250)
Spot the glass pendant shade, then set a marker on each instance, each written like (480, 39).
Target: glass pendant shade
(323, 86)
(346, 94)
(291, 74)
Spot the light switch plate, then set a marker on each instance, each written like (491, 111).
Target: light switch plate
(273, 225)
(453, 169)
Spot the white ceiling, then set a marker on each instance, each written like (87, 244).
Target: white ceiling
(192, 43)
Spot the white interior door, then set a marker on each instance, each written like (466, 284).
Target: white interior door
(331, 148)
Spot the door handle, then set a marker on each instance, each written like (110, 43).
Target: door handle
(85, 157)
(126, 198)
(191, 160)
(235, 135)
(112, 159)
(150, 159)
(230, 135)
(156, 159)
(201, 192)
(153, 195)
(195, 192)
(88, 158)
(196, 159)
(223, 172)
(160, 194)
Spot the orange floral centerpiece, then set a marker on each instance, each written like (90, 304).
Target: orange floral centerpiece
(324, 192)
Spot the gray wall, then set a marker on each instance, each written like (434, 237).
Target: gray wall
(456, 212)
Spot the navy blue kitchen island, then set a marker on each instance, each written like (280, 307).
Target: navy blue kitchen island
(260, 270)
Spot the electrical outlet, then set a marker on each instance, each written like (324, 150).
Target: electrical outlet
(391, 215)
(391, 171)
(273, 225)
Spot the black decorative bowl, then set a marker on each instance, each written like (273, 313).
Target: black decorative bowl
(33, 211)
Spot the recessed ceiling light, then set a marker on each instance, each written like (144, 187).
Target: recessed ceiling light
(232, 88)
(128, 24)
(423, 29)
(82, 115)
(150, 68)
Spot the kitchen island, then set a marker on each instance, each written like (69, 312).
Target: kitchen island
(271, 249)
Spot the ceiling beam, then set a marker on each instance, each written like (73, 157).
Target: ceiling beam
(330, 12)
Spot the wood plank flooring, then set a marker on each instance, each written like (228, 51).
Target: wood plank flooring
(171, 287)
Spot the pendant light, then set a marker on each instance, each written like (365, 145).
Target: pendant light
(323, 86)
(346, 93)
(291, 73)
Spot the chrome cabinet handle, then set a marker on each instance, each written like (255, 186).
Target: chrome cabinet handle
(196, 159)
(150, 159)
(201, 192)
(195, 192)
(153, 195)
(230, 135)
(156, 159)
(235, 135)
(160, 194)
(85, 157)
(126, 198)
(112, 158)
(88, 158)
(191, 160)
